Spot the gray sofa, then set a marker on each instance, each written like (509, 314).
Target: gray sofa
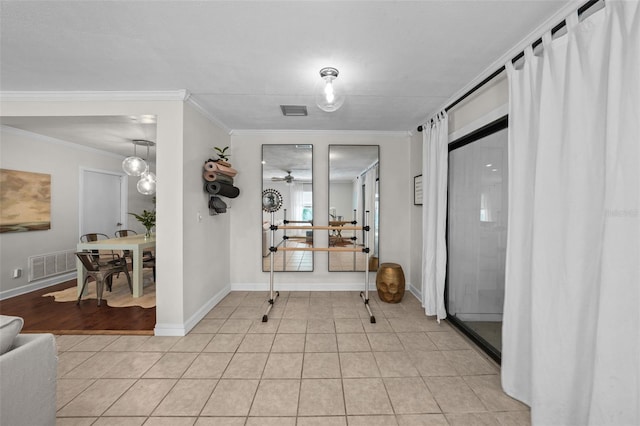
(28, 370)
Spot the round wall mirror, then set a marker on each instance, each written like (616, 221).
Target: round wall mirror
(271, 200)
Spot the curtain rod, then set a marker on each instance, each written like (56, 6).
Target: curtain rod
(588, 5)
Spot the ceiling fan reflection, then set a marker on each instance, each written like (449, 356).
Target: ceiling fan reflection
(288, 178)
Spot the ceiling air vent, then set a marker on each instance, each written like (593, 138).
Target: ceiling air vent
(294, 110)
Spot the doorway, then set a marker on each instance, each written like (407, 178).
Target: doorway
(102, 201)
(477, 235)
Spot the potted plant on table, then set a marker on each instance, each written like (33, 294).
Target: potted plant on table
(147, 219)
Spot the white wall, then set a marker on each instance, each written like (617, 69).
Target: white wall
(395, 193)
(485, 105)
(205, 237)
(30, 152)
(342, 198)
(415, 277)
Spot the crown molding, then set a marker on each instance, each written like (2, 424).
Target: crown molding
(191, 101)
(73, 96)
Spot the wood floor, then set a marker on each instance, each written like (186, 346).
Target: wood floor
(44, 315)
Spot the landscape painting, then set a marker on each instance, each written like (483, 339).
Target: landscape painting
(25, 201)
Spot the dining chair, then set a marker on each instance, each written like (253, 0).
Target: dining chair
(148, 259)
(101, 272)
(112, 256)
(103, 256)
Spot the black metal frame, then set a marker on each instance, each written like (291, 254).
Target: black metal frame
(493, 127)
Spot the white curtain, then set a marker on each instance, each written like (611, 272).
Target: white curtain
(435, 156)
(571, 339)
(296, 192)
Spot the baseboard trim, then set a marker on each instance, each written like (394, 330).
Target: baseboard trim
(204, 310)
(168, 329)
(415, 291)
(44, 283)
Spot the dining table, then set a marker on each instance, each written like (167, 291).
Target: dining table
(135, 243)
(336, 233)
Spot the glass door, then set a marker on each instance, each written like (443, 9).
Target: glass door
(477, 235)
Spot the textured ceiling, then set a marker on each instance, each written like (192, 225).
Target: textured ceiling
(399, 61)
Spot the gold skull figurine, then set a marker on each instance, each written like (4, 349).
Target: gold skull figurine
(390, 283)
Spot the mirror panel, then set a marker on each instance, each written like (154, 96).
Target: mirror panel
(353, 189)
(287, 170)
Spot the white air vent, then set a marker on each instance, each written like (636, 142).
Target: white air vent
(294, 110)
(50, 264)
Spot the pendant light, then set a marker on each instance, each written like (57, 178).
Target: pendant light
(134, 165)
(147, 183)
(329, 96)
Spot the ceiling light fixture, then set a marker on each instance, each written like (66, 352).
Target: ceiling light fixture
(147, 183)
(329, 97)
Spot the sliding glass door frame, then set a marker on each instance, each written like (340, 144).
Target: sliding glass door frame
(489, 129)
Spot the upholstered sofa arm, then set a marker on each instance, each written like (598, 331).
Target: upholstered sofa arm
(28, 381)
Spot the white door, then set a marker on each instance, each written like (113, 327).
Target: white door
(101, 202)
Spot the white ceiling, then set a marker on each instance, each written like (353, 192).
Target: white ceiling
(399, 61)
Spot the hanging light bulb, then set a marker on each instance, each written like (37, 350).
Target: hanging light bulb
(149, 175)
(134, 165)
(146, 186)
(329, 97)
(147, 183)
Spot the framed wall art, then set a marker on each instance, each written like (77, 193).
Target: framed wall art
(417, 190)
(25, 201)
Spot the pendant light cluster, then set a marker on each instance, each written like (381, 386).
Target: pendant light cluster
(136, 166)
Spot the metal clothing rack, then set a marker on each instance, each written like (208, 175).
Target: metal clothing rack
(364, 295)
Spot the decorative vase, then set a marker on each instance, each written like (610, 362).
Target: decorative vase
(148, 233)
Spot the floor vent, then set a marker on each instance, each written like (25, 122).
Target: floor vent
(50, 264)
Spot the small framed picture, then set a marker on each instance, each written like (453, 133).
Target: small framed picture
(417, 190)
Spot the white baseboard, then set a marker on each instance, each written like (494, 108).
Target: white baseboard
(167, 329)
(38, 285)
(303, 286)
(204, 310)
(417, 292)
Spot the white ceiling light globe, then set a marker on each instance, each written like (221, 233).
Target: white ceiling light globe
(146, 186)
(134, 166)
(149, 175)
(329, 95)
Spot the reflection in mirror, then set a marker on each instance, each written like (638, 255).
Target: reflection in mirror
(287, 170)
(353, 190)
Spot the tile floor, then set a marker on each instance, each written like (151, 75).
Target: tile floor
(317, 361)
(290, 260)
